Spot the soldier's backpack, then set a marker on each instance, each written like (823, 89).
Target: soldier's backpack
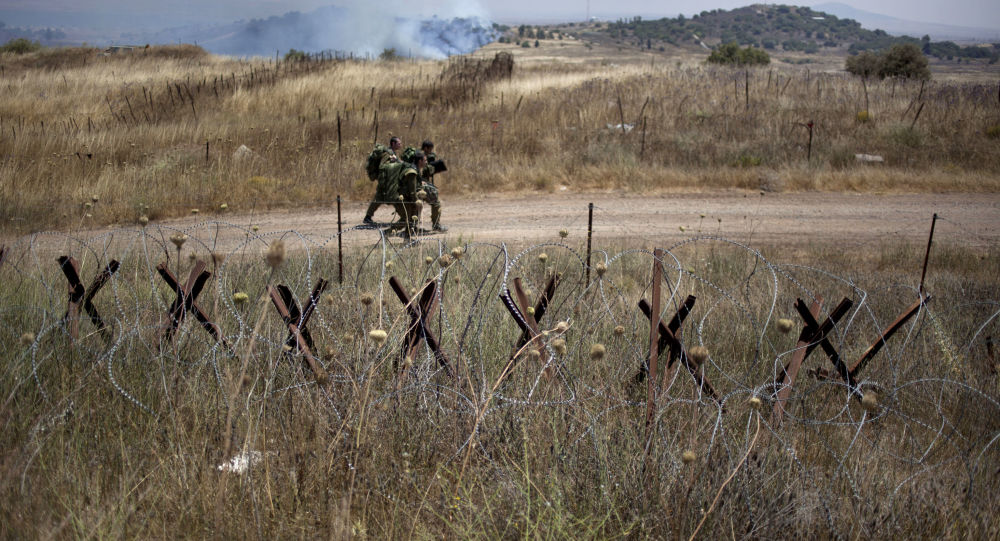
(375, 159)
(408, 154)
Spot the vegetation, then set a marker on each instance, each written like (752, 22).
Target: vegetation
(133, 434)
(901, 61)
(133, 128)
(20, 46)
(731, 54)
(779, 27)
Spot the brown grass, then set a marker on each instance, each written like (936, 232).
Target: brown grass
(132, 129)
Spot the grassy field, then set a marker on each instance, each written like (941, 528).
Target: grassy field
(91, 140)
(129, 432)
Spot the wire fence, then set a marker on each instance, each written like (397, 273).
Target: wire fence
(925, 404)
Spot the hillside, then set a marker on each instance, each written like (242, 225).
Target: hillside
(778, 28)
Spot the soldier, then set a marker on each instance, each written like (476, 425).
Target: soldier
(427, 185)
(398, 184)
(395, 143)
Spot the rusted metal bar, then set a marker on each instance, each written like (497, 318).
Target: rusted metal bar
(279, 295)
(880, 342)
(340, 240)
(79, 296)
(185, 301)
(418, 330)
(927, 256)
(540, 307)
(590, 234)
(787, 377)
(819, 339)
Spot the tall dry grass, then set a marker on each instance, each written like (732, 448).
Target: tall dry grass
(132, 130)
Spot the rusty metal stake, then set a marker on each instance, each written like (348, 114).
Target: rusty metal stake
(928, 254)
(340, 247)
(590, 234)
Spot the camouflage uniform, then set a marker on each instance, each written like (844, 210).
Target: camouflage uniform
(380, 190)
(427, 178)
(427, 185)
(398, 184)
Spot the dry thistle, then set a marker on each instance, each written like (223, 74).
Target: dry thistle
(534, 356)
(755, 402)
(428, 260)
(367, 299)
(457, 252)
(619, 330)
(562, 327)
(600, 269)
(388, 265)
(531, 310)
(378, 336)
(559, 345)
(143, 220)
(563, 233)
(178, 239)
(223, 206)
(688, 456)
(698, 354)
(275, 254)
(94, 198)
(543, 257)
(597, 352)
(27, 339)
(444, 260)
(195, 211)
(870, 401)
(784, 325)
(240, 297)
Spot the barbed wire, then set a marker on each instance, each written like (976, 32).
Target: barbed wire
(919, 422)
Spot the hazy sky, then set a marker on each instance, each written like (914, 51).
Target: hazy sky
(978, 13)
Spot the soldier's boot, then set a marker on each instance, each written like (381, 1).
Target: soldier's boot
(370, 213)
(436, 219)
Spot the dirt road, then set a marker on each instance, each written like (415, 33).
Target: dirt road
(659, 220)
(969, 219)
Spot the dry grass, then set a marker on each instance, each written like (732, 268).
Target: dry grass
(377, 457)
(133, 130)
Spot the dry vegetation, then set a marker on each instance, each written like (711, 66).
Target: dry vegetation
(132, 130)
(122, 434)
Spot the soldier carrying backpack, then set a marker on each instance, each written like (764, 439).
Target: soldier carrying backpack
(378, 157)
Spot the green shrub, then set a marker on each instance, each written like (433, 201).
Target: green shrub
(906, 136)
(295, 55)
(20, 46)
(730, 53)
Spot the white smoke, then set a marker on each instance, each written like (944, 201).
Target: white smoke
(364, 29)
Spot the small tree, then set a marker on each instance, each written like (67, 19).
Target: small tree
(730, 53)
(864, 64)
(20, 46)
(906, 61)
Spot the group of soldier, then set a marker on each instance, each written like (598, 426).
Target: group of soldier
(406, 181)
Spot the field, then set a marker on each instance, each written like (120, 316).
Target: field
(424, 391)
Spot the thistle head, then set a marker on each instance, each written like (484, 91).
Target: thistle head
(597, 352)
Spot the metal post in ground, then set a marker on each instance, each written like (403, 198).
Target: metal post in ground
(590, 234)
(340, 247)
(928, 254)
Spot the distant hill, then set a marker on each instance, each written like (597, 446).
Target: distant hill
(778, 28)
(898, 27)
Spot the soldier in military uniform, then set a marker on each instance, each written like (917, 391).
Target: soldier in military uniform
(395, 143)
(398, 183)
(430, 191)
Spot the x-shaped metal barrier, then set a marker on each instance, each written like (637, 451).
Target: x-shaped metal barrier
(82, 296)
(669, 337)
(418, 329)
(185, 301)
(296, 321)
(530, 331)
